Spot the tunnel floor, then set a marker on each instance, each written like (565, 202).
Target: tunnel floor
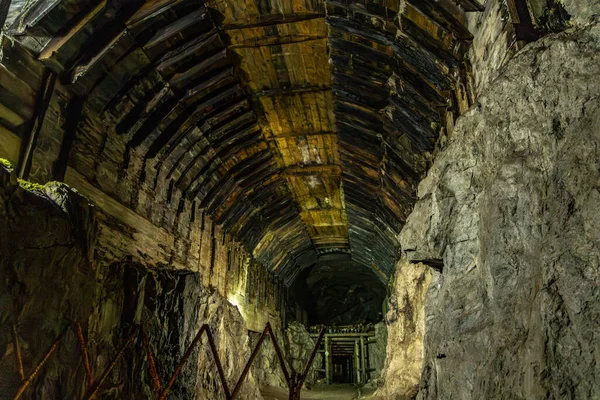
(321, 392)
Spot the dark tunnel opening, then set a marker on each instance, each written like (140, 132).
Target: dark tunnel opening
(338, 293)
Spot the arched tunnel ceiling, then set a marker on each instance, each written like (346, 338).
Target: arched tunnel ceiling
(302, 126)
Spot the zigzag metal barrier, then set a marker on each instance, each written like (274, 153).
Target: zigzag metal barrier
(294, 381)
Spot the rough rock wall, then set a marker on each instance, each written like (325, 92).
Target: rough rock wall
(142, 222)
(266, 368)
(582, 10)
(377, 354)
(510, 207)
(493, 42)
(50, 277)
(405, 321)
(297, 346)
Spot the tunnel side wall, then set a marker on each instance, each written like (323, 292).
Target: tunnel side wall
(509, 211)
(52, 274)
(405, 321)
(144, 218)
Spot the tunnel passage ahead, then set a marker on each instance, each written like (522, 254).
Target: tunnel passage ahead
(340, 293)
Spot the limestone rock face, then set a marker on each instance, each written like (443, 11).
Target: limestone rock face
(405, 321)
(50, 277)
(377, 353)
(582, 10)
(266, 368)
(510, 208)
(298, 347)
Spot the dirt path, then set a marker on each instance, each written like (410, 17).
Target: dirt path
(325, 392)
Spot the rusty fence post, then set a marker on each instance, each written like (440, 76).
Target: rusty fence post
(266, 332)
(298, 382)
(37, 369)
(84, 354)
(18, 357)
(96, 386)
(151, 363)
(188, 353)
(294, 382)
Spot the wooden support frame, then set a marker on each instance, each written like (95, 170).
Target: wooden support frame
(522, 22)
(43, 101)
(353, 345)
(327, 361)
(363, 360)
(357, 367)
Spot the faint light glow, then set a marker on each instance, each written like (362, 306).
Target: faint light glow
(233, 300)
(239, 302)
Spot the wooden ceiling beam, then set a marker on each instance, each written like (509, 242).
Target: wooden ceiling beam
(285, 135)
(276, 41)
(291, 91)
(274, 19)
(316, 169)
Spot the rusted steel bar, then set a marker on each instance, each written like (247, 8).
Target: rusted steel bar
(240, 381)
(19, 359)
(37, 369)
(312, 357)
(84, 354)
(295, 386)
(213, 348)
(279, 353)
(96, 386)
(151, 363)
(187, 355)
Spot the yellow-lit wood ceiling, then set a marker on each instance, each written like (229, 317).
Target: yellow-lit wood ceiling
(286, 70)
(301, 126)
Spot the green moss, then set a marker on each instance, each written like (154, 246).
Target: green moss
(6, 163)
(29, 185)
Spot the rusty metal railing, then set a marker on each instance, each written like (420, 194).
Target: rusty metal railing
(295, 381)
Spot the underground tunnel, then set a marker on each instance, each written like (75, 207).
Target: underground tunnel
(299, 199)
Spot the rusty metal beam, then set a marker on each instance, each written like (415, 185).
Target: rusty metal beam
(93, 390)
(262, 338)
(84, 354)
(314, 353)
(151, 363)
(37, 369)
(186, 356)
(18, 358)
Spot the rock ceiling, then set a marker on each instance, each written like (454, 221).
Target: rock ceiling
(302, 126)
